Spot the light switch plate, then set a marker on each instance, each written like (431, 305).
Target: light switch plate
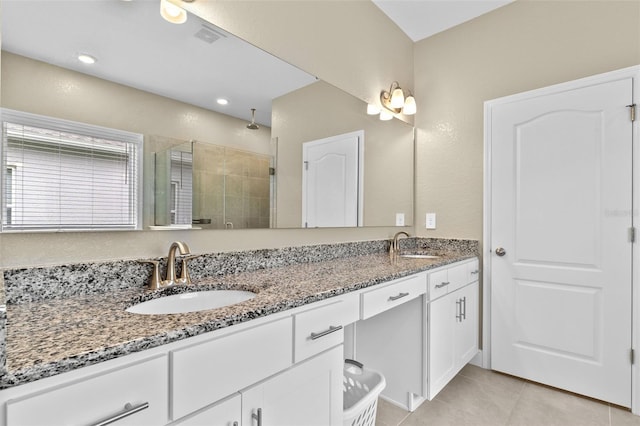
(399, 219)
(431, 221)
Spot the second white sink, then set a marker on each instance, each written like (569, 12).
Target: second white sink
(191, 302)
(419, 256)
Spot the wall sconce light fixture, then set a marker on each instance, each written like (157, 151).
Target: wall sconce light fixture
(394, 101)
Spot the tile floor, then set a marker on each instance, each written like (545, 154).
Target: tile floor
(481, 397)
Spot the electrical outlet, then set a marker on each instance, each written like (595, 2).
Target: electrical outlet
(431, 221)
(399, 219)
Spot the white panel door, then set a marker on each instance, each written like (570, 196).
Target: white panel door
(561, 211)
(331, 170)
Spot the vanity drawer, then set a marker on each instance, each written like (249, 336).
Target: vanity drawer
(449, 279)
(473, 271)
(439, 284)
(89, 401)
(393, 294)
(207, 372)
(319, 329)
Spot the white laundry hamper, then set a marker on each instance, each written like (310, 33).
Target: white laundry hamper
(361, 388)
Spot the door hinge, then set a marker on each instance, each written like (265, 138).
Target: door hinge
(632, 111)
(632, 234)
(306, 165)
(633, 356)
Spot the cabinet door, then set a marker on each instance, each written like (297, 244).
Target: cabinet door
(442, 328)
(224, 413)
(467, 329)
(310, 394)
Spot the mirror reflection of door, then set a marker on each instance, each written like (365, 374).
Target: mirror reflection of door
(331, 183)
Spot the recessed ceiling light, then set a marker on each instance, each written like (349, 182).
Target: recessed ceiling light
(172, 13)
(222, 101)
(86, 59)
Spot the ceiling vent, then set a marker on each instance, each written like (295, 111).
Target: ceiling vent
(209, 35)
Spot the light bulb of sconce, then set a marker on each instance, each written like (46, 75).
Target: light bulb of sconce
(385, 115)
(397, 98)
(409, 106)
(172, 13)
(373, 109)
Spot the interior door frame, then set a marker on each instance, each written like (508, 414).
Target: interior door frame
(630, 72)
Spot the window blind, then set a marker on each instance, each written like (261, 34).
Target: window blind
(61, 175)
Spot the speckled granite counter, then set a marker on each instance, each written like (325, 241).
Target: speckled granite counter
(51, 335)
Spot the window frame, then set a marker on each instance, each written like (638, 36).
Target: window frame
(136, 140)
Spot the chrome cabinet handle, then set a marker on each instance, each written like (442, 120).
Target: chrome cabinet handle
(257, 416)
(331, 329)
(474, 272)
(463, 311)
(500, 251)
(443, 284)
(128, 410)
(399, 296)
(459, 310)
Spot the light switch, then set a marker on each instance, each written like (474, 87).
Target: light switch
(399, 219)
(431, 221)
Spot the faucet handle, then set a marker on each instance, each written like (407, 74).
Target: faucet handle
(156, 281)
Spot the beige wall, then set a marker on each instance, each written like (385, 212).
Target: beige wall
(319, 111)
(519, 47)
(350, 44)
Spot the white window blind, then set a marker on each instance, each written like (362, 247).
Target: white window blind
(61, 175)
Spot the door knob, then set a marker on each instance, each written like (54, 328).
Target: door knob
(500, 251)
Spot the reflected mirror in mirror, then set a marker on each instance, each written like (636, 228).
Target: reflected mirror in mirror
(160, 86)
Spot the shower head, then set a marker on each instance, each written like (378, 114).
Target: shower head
(253, 125)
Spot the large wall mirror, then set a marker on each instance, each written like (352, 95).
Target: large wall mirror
(206, 165)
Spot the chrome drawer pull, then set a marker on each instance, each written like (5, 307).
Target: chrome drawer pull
(128, 410)
(474, 272)
(331, 329)
(444, 284)
(399, 296)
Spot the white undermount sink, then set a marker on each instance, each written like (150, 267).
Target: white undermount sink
(191, 302)
(420, 256)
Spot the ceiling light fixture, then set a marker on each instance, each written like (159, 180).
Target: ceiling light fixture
(172, 13)
(86, 59)
(222, 101)
(253, 125)
(394, 101)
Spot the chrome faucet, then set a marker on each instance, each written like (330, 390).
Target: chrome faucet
(395, 242)
(171, 263)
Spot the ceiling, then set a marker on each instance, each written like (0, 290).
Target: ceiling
(194, 62)
(420, 19)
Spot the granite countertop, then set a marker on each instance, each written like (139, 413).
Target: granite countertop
(48, 337)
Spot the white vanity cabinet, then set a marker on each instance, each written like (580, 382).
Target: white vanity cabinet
(135, 394)
(308, 394)
(453, 322)
(421, 344)
(227, 412)
(207, 372)
(390, 338)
